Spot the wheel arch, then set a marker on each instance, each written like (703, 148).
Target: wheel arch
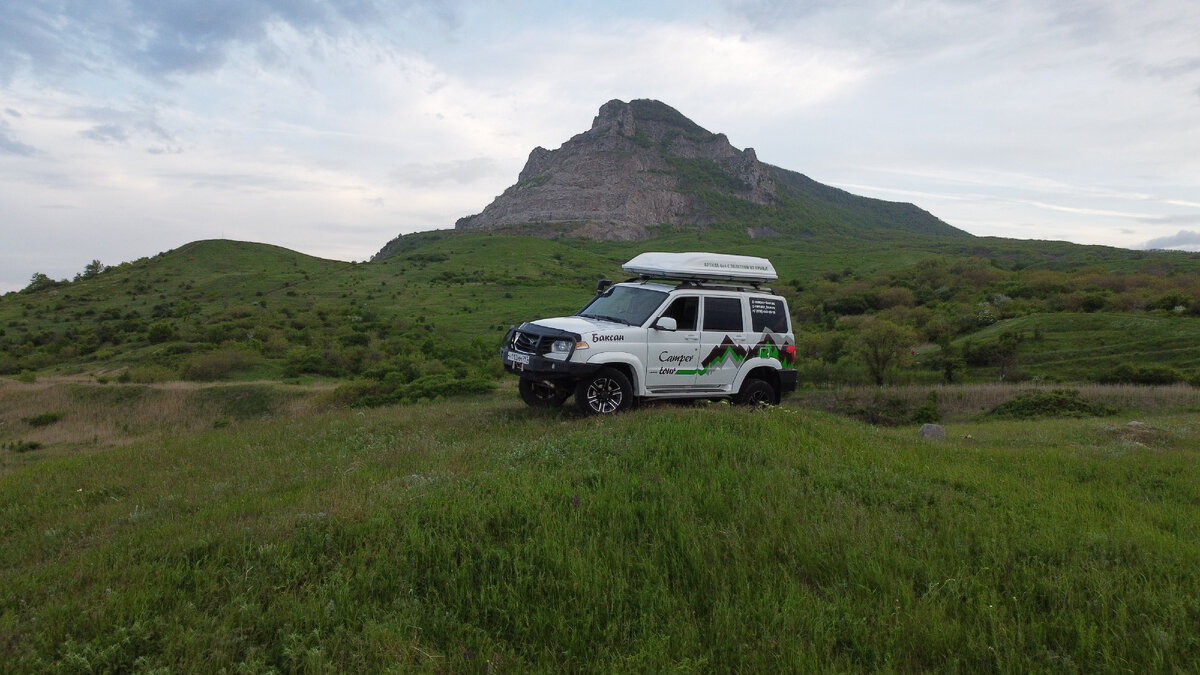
(628, 364)
(768, 372)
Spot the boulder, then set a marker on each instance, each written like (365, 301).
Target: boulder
(934, 431)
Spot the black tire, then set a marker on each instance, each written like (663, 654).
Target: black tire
(604, 392)
(539, 394)
(757, 392)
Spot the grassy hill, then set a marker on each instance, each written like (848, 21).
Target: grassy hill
(248, 531)
(221, 310)
(257, 516)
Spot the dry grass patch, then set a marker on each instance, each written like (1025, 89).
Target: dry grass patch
(94, 416)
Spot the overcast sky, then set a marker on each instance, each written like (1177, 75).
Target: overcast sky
(131, 127)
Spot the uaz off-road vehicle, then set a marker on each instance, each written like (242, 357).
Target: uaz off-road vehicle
(687, 325)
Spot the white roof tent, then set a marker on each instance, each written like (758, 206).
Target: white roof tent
(702, 267)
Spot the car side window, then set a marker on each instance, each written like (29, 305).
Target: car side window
(768, 314)
(684, 311)
(723, 314)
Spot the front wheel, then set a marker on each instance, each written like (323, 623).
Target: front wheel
(756, 392)
(604, 392)
(539, 394)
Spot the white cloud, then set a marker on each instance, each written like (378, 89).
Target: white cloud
(330, 127)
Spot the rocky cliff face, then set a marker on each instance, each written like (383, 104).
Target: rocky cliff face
(629, 170)
(643, 163)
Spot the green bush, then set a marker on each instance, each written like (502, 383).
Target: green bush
(394, 388)
(928, 413)
(43, 420)
(1056, 403)
(1148, 374)
(146, 374)
(216, 365)
(160, 332)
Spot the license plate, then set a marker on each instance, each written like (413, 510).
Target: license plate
(516, 357)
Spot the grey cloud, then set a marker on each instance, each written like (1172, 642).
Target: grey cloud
(106, 133)
(111, 125)
(165, 39)
(1183, 239)
(12, 113)
(9, 145)
(1170, 70)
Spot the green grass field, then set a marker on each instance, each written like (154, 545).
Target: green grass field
(255, 529)
(188, 481)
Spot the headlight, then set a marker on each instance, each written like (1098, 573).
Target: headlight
(560, 349)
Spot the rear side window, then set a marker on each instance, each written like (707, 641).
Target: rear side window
(723, 314)
(768, 314)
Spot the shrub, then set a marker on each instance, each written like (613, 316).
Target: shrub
(393, 388)
(160, 332)
(928, 413)
(1056, 403)
(1148, 374)
(216, 365)
(43, 420)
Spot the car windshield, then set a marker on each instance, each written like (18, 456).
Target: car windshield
(624, 304)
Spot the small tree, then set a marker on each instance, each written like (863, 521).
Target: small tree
(883, 344)
(91, 270)
(40, 281)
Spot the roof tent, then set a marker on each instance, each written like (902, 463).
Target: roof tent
(702, 267)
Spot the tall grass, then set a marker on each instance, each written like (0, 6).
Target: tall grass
(93, 417)
(477, 535)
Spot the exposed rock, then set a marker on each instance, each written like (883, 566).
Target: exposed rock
(643, 163)
(629, 169)
(932, 431)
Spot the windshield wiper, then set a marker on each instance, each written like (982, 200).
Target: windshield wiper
(603, 317)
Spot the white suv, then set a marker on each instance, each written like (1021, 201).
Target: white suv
(688, 325)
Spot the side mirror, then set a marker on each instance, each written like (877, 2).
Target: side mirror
(602, 284)
(666, 323)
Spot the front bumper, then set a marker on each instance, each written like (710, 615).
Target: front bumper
(530, 362)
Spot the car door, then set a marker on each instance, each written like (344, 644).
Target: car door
(672, 357)
(723, 342)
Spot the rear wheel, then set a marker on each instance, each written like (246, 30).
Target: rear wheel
(604, 392)
(756, 392)
(539, 394)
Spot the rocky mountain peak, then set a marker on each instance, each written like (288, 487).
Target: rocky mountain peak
(632, 168)
(644, 163)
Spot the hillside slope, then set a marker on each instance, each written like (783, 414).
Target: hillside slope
(437, 308)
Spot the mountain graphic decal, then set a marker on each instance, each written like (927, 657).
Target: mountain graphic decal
(728, 351)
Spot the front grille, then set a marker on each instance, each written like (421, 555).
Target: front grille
(529, 343)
